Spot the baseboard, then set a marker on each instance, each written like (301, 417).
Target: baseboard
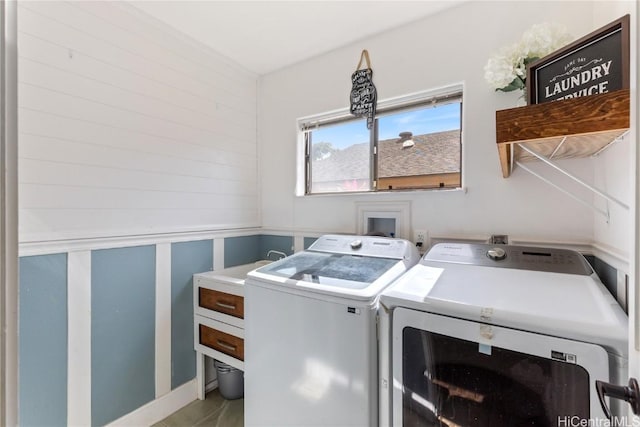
(160, 408)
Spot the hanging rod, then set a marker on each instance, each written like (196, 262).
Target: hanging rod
(576, 179)
(568, 193)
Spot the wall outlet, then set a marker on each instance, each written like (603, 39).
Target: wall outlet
(420, 239)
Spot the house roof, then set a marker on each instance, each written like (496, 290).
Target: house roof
(432, 153)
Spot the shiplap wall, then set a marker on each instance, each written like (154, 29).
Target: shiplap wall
(127, 127)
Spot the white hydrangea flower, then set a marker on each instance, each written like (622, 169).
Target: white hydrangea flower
(499, 71)
(542, 39)
(507, 70)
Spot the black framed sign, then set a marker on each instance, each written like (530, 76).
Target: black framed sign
(363, 92)
(596, 63)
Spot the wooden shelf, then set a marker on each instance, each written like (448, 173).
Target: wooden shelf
(589, 124)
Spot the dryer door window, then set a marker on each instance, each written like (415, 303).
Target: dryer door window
(455, 372)
(447, 381)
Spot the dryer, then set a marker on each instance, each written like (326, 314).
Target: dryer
(480, 335)
(310, 332)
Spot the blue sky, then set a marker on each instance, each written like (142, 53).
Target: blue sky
(428, 120)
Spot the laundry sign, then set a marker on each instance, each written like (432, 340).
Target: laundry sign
(597, 63)
(363, 92)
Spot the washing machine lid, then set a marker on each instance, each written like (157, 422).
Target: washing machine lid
(332, 270)
(567, 305)
(357, 267)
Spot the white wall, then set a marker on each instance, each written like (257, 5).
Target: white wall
(450, 47)
(617, 169)
(127, 127)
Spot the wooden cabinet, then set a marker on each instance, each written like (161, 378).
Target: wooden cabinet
(218, 308)
(218, 305)
(576, 127)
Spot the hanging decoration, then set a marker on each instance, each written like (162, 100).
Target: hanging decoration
(363, 92)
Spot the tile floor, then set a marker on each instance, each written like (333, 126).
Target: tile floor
(213, 411)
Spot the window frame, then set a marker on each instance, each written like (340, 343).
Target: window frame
(306, 125)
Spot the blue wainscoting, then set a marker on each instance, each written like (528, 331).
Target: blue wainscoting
(123, 293)
(123, 311)
(278, 243)
(241, 250)
(43, 340)
(187, 259)
(247, 249)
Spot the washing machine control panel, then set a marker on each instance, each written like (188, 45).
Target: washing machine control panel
(551, 260)
(374, 246)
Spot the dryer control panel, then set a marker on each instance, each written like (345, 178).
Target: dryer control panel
(551, 260)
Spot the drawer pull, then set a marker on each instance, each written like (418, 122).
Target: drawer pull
(226, 346)
(224, 305)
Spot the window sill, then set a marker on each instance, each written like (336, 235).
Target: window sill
(381, 193)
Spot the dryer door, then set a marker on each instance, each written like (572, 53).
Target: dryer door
(448, 371)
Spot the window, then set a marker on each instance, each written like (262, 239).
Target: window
(339, 157)
(415, 143)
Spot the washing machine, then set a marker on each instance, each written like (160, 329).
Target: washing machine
(310, 332)
(480, 335)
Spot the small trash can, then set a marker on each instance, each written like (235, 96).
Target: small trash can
(230, 380)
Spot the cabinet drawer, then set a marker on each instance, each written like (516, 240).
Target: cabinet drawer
(232, 305)
(223, 342)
